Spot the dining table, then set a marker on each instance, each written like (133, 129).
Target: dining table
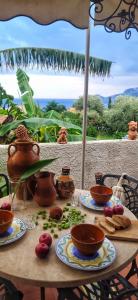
(18, 260)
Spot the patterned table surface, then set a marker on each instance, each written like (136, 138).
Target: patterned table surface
(18, 260)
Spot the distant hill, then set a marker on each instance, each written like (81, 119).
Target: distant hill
(129, 92)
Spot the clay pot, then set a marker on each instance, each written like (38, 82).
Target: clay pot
(6, 218)
(101, 194)
(21, 157)
(87, 238)
(45, 192)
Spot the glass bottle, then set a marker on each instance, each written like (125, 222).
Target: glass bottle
(65, 185)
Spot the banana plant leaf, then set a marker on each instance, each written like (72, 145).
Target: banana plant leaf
(26, 93)
(9, 126)
(52, 114)
(36, 123)
(48, 134)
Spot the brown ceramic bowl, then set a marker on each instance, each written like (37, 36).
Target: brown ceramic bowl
(101, 194)
(6, 218)
(87, 238)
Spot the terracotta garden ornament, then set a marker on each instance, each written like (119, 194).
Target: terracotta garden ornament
(21, 133)
(132, 132)
(62, 136)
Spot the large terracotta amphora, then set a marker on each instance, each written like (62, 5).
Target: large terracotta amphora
(21, 155)
(45, 192)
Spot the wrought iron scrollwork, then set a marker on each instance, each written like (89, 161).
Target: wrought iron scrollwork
(122, 18)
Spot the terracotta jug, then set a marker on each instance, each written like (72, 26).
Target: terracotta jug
(65, 184)
(45, 192)
(21, 155)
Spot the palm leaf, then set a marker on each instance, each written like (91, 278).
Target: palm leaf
(43, 58)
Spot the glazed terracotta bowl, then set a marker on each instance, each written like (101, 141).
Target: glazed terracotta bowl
(101, 194)
(87, 238)
(6, 218)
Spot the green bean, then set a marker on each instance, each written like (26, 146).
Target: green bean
(71, 216)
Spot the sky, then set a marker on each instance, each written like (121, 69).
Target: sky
(23, 32)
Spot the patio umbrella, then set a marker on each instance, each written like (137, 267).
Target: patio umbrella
(47, 11)
(115, 15)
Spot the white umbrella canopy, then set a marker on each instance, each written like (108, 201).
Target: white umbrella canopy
(48, 11)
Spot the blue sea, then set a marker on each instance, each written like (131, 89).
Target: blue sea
(43, 102)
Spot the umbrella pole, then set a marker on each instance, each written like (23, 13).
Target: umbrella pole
(85, 102)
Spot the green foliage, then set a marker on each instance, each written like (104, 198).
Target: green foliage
(52, 114)
(75, 118)
(91, 131)
(26, 92)
(43, 58)
(52, 105)
(129, 107)
(43, 130)
(109, 102)
(5, 99)
(33, 169)
(124, 110)
(38, 122)
(9, 126)
(78, 104)
(94, 103)
(101, 122)
(36, 167)
(7, 105)
(94, 118)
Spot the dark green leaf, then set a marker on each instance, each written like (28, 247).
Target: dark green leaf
(34, 168)
(26, 92)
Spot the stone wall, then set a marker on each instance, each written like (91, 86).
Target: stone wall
(116, 156)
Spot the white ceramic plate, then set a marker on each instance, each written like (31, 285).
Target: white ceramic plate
(69, 255)
(88, 202)
(15, 232)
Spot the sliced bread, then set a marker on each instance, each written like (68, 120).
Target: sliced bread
(122, 220)
(112, 222)
(107, 227)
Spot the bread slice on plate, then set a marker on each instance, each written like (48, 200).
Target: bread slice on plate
(113, 223)
(107, 226)
(122, 220)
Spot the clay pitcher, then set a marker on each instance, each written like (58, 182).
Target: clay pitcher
(21, 155)
(45, 192)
